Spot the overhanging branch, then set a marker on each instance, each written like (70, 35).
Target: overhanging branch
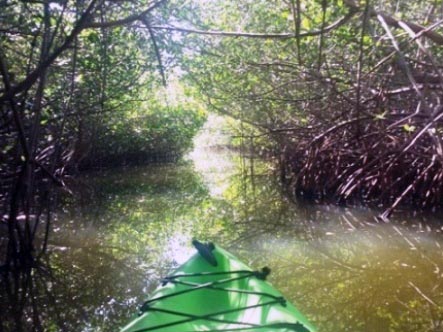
(393, 22)
(327, 29)
(126, 20)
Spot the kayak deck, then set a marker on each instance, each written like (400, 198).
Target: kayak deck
(225, 296)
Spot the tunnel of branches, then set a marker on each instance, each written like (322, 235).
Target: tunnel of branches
(344, 96)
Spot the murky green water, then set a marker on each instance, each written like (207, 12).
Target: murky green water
(130, 227)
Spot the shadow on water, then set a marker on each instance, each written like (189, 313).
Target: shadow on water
(124, 229)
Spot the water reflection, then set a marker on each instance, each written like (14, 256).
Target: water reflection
(125, 229)
(374, 278)
(341, 267)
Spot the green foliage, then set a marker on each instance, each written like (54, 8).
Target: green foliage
(158, 133)
(330, 63)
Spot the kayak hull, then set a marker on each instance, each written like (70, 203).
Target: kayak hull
(228, 296)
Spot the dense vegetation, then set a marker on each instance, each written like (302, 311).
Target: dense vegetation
(83, 85)
(348, 94)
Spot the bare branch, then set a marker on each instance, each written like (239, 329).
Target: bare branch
(36, 73)
(157, 51)
(327, 29)
(393, 22)
(126, 20)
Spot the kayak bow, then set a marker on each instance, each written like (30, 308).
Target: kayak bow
(214, 291)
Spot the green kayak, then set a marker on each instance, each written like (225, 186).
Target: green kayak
(214, 291)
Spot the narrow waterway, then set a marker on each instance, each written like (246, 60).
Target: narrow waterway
(112, 242)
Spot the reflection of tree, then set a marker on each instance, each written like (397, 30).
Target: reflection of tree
(106, 252)
(74, 289)
(24, 294)
(339, 266)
